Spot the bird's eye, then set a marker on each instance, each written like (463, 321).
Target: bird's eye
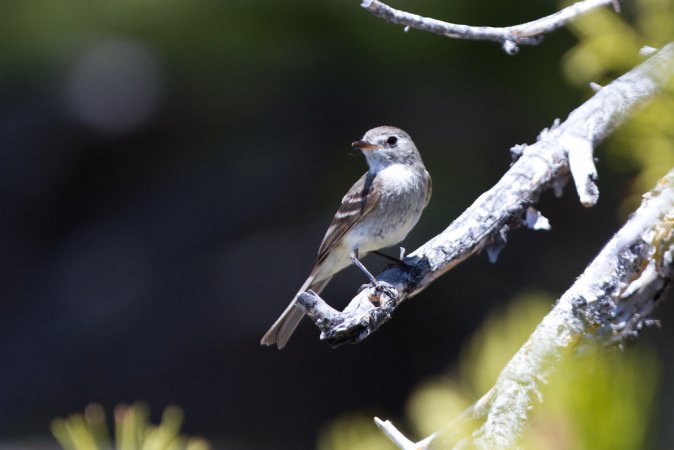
(392, 140)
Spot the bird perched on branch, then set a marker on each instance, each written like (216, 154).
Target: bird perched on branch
(378, 211)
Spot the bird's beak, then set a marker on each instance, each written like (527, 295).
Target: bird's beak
(363, 145)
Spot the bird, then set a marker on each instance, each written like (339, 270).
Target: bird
(379, 210)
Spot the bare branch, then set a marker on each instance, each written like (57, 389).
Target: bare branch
(647, 51)
(609, 302)
(395, 435)
(581, 164)
(542, 165)
(530, 33)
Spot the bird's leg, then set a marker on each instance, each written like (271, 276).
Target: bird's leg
(393, 259)
(356, 262)
(380, 288)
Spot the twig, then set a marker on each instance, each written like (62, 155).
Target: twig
(621, 286)
(560, 151)
(395, 435)
(530, 33)
(581, 164)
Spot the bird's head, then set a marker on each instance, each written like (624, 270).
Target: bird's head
(383, 146)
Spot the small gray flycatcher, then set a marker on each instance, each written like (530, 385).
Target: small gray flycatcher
(378, 211)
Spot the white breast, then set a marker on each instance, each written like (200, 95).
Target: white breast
(400, 177)
(399, 209)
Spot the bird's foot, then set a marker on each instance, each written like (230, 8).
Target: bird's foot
(379, 288)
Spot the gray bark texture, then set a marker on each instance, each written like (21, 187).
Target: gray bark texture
(609, 302)
(530, 33)
(561, 151)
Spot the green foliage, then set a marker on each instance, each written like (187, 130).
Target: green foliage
(608, 47)
(133, 430)
(353, 432)
(609, 43)
(598, 398)
(499, 338)
(435, 404)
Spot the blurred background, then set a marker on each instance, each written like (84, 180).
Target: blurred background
(168, 170)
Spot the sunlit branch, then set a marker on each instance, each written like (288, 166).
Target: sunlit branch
(530, 33)
(564, 150)
(609, 301)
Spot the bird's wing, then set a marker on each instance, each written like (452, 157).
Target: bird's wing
(429, 189)
(359, 201)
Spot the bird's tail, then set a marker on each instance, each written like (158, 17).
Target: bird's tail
(283, 328)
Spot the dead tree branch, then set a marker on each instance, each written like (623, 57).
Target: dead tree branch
(563, 150)
(609, 301)
(530, 33)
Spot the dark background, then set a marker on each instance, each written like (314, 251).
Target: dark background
(167, 172)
